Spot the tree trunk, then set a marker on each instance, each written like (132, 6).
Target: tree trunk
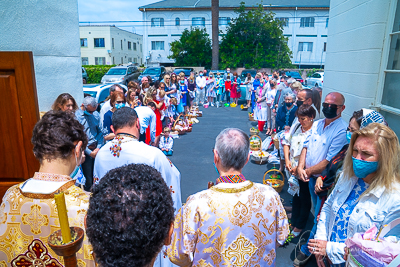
(215, 33)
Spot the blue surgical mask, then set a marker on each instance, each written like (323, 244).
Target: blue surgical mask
(348, 136)
(216, 168)
(363, 168)
(119, 105)
(201, 74)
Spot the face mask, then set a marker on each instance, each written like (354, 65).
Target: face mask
(228, 71)
(119, 105)
(299, 103)
(201, 74)
(87, 113)
(348, 136)
(211, 76)
(216, 168)
(182, 82)
(289, 104)
(363, 168)
(329, 112)
(276, 77)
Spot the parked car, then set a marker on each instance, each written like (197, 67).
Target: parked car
(317, 80)
(119, 74)
(100, 91)
(295, 75)
(187, 71)
(243, 75)
(84, 76)
(156, 73)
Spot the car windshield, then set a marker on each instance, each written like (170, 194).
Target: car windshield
(151, 71)
(91, 93)
(116, 72)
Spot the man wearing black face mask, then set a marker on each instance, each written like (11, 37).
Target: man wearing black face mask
(326, 139)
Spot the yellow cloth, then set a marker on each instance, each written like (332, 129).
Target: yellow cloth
(25, 217)
(229, 225)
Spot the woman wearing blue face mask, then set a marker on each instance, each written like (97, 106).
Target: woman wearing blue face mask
(117, 101)
(366, 193)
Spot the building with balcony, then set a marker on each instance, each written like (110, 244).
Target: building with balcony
(306, 26)
(109, 45)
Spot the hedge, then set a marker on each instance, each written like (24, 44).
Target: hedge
(96, 72)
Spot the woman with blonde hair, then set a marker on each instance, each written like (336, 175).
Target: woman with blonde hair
(296, 87)
(365, 195)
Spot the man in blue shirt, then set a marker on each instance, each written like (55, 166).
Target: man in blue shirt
(90, 119)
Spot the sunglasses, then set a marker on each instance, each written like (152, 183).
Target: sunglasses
(119, 102)
(327, 105)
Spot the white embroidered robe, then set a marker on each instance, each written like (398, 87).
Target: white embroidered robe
(229, 225)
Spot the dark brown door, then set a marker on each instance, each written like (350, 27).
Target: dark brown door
(19, 113)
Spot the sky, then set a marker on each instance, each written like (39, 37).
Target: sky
(115, 10)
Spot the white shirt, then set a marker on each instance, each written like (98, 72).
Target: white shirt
(201, 82)
(378, 207)
(271, 96)
(104, 109)
(166, 143)
(325, 143)
(147, 118)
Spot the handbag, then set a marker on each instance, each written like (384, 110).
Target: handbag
(373, 253)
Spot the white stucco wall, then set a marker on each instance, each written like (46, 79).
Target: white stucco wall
(50, 30)
(357, 30)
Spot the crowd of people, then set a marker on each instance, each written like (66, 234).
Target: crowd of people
(123, 190)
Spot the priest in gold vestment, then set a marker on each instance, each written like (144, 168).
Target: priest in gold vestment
(28, 213)
(234, 223)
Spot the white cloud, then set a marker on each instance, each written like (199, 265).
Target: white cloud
(115, 10)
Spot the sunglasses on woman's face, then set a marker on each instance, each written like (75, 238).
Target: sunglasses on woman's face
(327, 105)
(119, 102)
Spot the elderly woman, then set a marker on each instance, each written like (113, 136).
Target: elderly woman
(260, 108)
(65, 102)
(365, 195)
(28, 210)
(286, 113)
(293, 145)
(249, 85)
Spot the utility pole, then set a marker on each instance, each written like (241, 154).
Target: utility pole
(215, 33)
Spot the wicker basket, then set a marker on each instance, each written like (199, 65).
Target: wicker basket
(199, 114)
(255, 143)
(251, 117)
(276, 142)
(254, 131)
(180, 132)
(276, 181)
(260, 159)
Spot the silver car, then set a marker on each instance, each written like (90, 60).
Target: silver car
(118, 74)
(317, 80)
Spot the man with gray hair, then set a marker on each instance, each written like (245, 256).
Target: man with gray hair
(90, 119)
(234, 223)
(107, 105)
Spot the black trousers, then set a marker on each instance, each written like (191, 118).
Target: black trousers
(87, 169)
(301, 206)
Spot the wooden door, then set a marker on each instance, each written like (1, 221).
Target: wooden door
(19, 112)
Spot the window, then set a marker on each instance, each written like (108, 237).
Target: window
(177, 21)
(112, 43)
(122, 48)
(224, 21)
(85, 61)
(325, 47)
(134, 46)
(113, 60)
(157, 22)
(129, 46)
(199, 21)
(140, 47)
(129, 60)
(327, 21)
(122, 60)
(100, 61)
(307, 22)
(99, 42)
(157, 45)
(135, 60)
(284, 20)
(305, 46)
(83, 42)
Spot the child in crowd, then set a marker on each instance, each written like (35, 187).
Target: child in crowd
(219, 87)
(183, 92)
(211, 87)
(171, 112)
(166, 142)
(228, 87)
(256, 84)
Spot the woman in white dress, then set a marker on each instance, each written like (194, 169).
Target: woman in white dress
(249, 85)
(260, 108)
(211, 84)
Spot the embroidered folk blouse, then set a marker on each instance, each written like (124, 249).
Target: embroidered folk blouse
(230, 224)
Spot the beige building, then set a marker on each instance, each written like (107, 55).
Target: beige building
(109, 45)
(362, 60)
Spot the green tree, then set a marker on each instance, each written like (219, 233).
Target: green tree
(192, 49)
(255, 40)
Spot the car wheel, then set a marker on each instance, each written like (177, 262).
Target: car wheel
(84, 81)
